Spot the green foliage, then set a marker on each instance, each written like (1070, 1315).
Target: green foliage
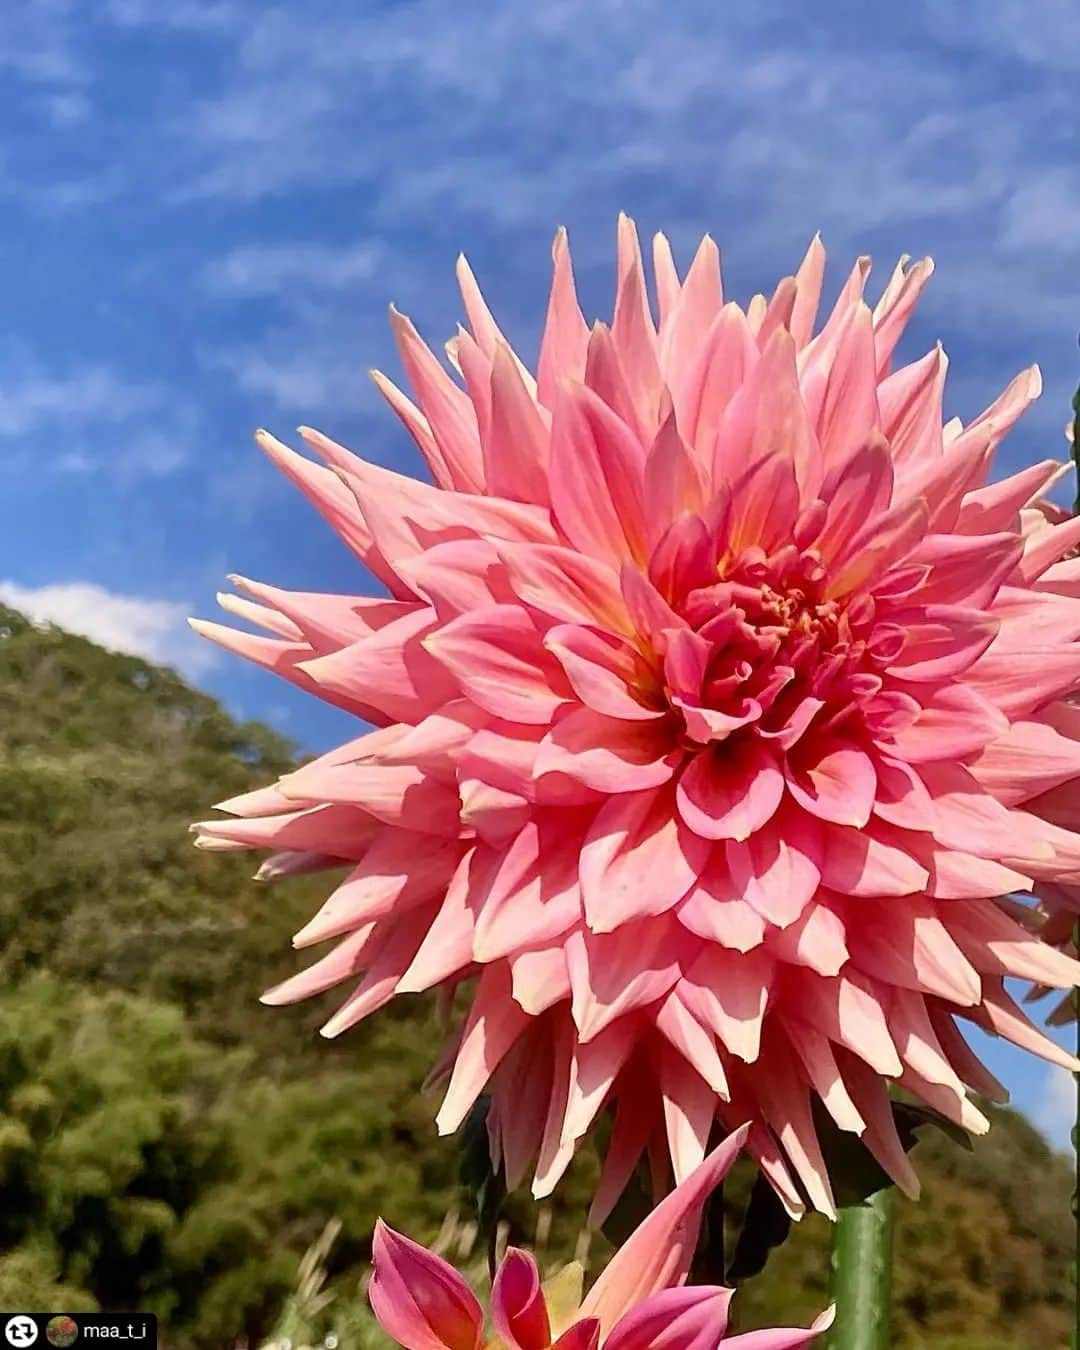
(169, 1144)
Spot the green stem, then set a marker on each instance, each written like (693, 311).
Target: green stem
(862, 1274)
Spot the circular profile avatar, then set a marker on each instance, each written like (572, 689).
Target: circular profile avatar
(61, 1330)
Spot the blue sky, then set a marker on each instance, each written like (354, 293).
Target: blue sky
(205, 207)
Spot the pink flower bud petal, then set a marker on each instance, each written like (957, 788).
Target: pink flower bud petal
(674, 1319)
(518, 1311)
(418, 1299)
(658, 1254)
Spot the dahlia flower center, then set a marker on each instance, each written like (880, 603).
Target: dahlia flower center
(775, 642)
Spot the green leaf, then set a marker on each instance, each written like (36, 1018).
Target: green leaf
(766, 1224)
(485, 1185)
(855, 1172)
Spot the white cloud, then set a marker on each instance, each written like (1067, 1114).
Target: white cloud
(304, 384)
(92, 418)
(183, 15)
(273, 270)
(1055, 1111)
(38, 45)
(154, 629)
(33, 399)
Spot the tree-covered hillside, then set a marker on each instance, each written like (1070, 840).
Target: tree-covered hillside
(167, 1143)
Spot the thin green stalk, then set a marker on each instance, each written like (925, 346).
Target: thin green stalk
(862, 1274)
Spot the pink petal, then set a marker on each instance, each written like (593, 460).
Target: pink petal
(606, 673)
(518, 1312)
(500, 662)
(674, 1319)
(849, 410)
(673, 481)
(532, 895)
(419, 1300)
(682, 1030)
(607, 753)
(399, 871)
(782, 1338)
(596, 479)
(389, 671)
(955, 721)
(942, 641)
(817, 940)
(638, 859)
(449, 413)
(566, 585)
(910, 946)
(716, 910)
(729, 994)
(494, 1023)
(777, 870)
(847, 1010)
(632, 327)
(583, 1335)
(1030, 758)
(724, 796)
(689, 1111)
(566, 335)
(691, 308)
(612, 974)
(658, 1254)
(398, 795)
(910, 402)
(808, 282)
(856, 490)
(996, 506)
(894, 309)
(858, 862)
(834, 781)
(703, 391)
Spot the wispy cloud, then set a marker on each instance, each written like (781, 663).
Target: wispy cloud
(199, 16)
(38, 43)
(34, 399)
(257, 271)
(1054, 1111)
(154, 629)
(302, 384)
(90, 419)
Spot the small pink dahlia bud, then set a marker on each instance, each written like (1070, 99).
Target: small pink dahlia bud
(719, 700)
(638, 1303)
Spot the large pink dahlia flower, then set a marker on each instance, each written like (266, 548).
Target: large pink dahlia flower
(718, 697)
(638, 1303)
